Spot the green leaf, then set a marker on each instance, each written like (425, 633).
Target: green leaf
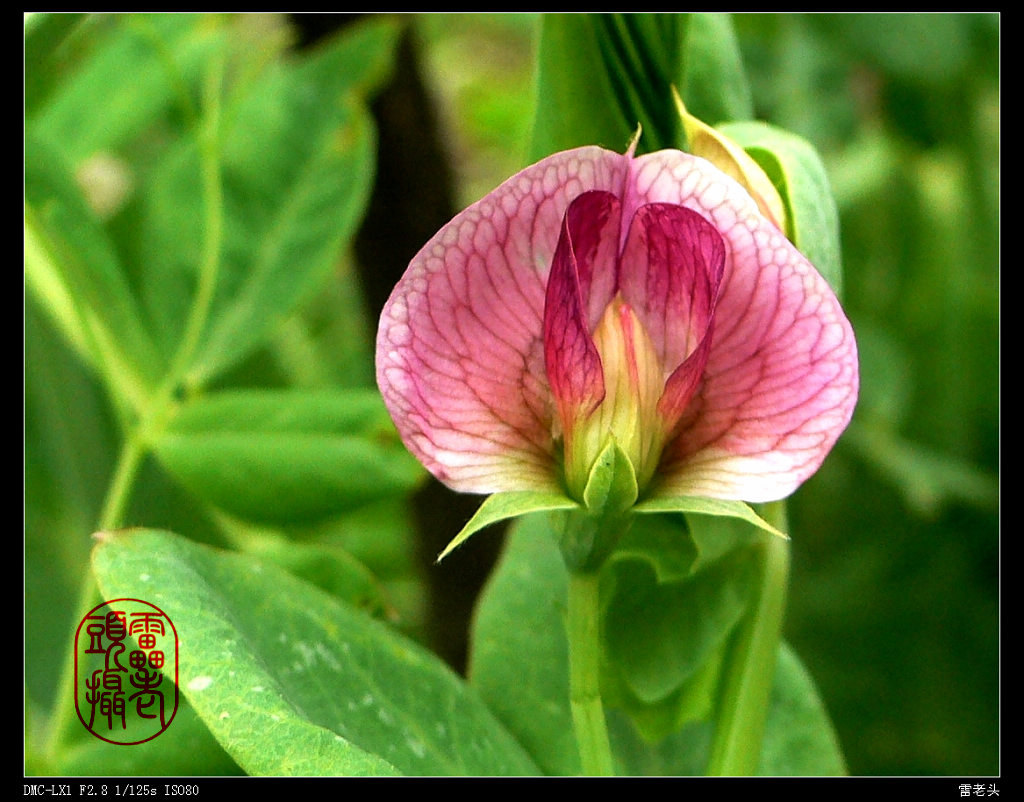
(519, 659)
(132, 75)
(297, 169)
(659, 634)
(290, 681)
(663, 543)
(800, 740)
(502, 506)
(325, 565)
(44, 35)
(185, 748)
(599, 75)
(707, 506)
(72, 269)
(288, 455)
(519, 663)
(71, 446)
(714, 82)
(670, 605)
(796, 170)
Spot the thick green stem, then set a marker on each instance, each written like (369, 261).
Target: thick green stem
(584, 675)
(750, 666)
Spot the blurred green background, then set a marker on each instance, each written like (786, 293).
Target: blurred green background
(894, 603)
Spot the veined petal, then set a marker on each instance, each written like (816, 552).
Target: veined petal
(670, 274)
(781, 377)
(460, 355)
(580, 285)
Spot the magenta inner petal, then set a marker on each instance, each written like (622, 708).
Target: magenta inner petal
(592, 225)
(580, 285)
(670, 274)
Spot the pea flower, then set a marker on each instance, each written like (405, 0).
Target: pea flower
(601, 297)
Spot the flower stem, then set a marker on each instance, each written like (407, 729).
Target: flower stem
(584, 666)
(750, 666)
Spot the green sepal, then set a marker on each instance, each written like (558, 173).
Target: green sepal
(502, 506)
(611, 486)
(589, 535)
(708, 506)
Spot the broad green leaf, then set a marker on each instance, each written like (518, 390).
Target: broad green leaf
(133, 74)
(599, 75)
(502, 506)
(186, 748)
(297, 168)
(327, 566)
(75, 274)
(689, 703)
(382, 537)
(292, 682)
(288, 455)
(519, 659)
(71, 446)
(714, 82)
(670, 606)
(797, 172)
(663, 543)
(658, 635)
(519, 663)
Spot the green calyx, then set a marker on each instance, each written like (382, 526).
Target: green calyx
(591, 532)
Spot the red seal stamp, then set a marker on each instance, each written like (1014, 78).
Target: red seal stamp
(126, 671)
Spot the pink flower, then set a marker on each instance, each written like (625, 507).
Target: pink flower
(597, 295)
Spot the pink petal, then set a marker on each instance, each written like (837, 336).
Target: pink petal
(580, 285)
(670, 274)
(460, 357)
(780, 382)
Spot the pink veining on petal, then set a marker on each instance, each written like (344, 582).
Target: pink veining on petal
(460, 357)
(780, 382)
(481, 356)
(670, 275)
(580, 285)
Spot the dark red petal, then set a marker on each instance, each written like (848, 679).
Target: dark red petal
(670, 274)
(580, 285)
